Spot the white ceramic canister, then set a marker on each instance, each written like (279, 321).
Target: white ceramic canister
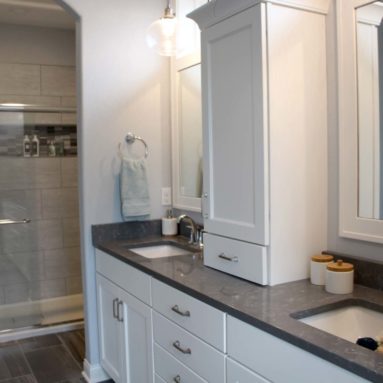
(169, 226)
(318, 267)
(340, 277)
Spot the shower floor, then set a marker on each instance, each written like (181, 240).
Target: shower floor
(41, 313)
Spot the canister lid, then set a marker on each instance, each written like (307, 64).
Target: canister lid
(322, 258)
(339, 265)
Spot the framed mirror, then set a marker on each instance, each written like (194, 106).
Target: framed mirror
(360, 71)
(187, 136)
(187, 121)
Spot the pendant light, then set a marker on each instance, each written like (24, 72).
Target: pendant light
(170, 36)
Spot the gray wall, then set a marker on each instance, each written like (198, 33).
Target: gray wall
(349, 246)
(123, 86)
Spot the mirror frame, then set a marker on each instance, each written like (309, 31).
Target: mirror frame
(177, 65)
(350, 224)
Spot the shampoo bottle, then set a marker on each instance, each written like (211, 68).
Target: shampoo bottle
(35, 146)
(52, 149)
(27, 146)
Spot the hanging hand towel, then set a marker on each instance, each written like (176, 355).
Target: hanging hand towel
(135, 201)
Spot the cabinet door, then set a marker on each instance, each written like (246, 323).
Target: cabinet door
(136, 320)
(235, 198)
(109, 328)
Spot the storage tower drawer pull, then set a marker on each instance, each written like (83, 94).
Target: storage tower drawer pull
(227, 258)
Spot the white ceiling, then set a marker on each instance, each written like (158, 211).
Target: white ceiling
(44, 13)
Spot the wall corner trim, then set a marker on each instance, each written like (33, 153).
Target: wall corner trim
(94, 373)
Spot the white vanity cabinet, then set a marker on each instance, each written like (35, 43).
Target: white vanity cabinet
(265, 136)
(271, 359)
(152, 332)
(125, 321)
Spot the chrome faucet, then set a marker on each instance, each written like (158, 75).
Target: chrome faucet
(195, 231)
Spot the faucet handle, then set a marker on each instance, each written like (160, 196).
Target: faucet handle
(199, 238)
(192, 234)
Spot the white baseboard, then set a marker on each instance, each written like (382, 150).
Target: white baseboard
(94, 373)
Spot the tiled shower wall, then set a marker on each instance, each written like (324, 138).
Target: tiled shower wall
(41, 259)
(48, 85)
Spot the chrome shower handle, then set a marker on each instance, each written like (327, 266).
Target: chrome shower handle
(13, 222)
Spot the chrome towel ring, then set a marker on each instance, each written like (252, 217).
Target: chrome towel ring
(131, 138)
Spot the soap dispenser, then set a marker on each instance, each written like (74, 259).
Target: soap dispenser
(35, 146)
(27, 146)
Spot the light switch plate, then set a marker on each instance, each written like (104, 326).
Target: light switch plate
(166, 196)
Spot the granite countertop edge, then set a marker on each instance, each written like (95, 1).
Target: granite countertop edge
(347, 360)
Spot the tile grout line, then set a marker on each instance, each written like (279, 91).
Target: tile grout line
(26, 362)
(69, 352)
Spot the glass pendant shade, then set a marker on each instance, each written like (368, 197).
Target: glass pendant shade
(170, 36)
(162, 36)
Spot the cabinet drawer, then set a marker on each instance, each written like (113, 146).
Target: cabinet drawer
(202, 320)
(169, 368)
(130, 279)
(237, 373)
(202, 358)
(243, 259)
(276, 359)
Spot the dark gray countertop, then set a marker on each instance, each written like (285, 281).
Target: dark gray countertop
(271, 309)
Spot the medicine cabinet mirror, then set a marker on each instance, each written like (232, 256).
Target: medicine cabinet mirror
(187, 121)
(360, 49)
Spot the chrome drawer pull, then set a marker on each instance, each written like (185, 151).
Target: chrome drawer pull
(120, 319)
(177, 310)
(177, 345)
(177, 379)
(115, 300)
(227, 258)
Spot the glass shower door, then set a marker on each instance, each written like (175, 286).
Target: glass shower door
(40, 273)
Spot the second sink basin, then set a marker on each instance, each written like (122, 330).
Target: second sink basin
(159, 251)
(350, 323)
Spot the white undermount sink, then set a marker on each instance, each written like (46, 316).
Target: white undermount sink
(159, 251)
(350, 323)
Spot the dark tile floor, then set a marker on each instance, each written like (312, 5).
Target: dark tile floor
(44, 359)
